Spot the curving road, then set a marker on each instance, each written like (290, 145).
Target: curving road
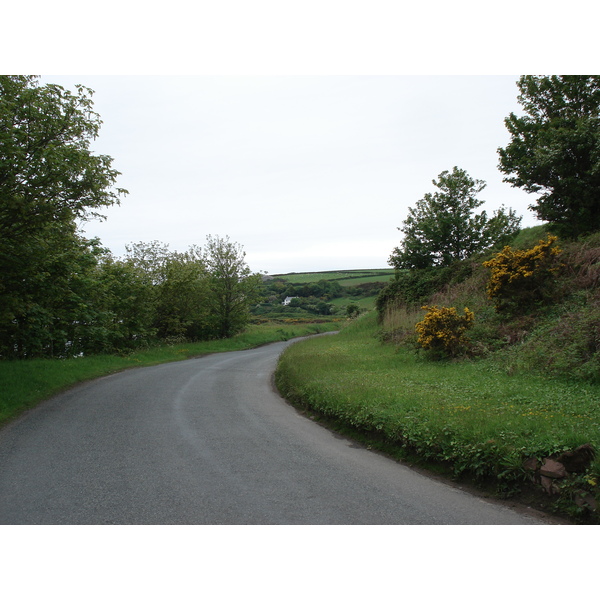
(208, 441)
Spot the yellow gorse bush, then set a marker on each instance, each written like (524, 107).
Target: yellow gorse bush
(518, 277)
(443, 329)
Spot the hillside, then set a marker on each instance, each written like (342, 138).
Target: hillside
(554, 333)
(323, 295)
(522, 395)
(348, 277)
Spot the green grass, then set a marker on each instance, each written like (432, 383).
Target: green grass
(352, 277)
(25, 383)
(364, 303)
(386, 277)
(470, 416)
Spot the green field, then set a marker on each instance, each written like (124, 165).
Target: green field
(345, 278)
(363, 303)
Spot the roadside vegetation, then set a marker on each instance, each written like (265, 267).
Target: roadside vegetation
(482, 358)
(26, 382)
(507, 391)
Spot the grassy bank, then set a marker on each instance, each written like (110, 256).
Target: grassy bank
(471, 418)
(26, 383)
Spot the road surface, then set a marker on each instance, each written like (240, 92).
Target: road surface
(208, 441)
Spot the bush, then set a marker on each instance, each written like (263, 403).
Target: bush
(442, 331)
(415, 286)
(352, 311)
(520, 279)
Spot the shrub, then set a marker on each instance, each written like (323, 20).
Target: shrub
(352, 311)
(442, 331)
(521, 278)
(412, 287)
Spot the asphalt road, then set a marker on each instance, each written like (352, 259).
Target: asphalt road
(208, 441)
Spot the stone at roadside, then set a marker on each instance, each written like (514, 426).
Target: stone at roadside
(549, 485)
(553, 468)
(578, 460)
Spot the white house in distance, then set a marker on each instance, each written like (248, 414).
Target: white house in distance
(288, 300)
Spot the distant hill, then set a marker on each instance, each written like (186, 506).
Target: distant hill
(344, 278)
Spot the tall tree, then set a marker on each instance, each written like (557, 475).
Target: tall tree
(443, 228)
(233, 287)
(555, 150)
(177, 285)
(47, 170)
(49, 178)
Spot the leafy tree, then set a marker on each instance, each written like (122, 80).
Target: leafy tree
(555, 150)
(52, 298)
(128, 303)
(150, 258)
(442, 228)
(182, 302)
(352, 311)
(233, 288)
(49, 178)
(178, 289)
(47, 170)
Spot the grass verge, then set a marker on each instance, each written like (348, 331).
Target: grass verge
(26, 383)
(470, 418)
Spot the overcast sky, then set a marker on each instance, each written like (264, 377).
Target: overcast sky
(304, 132)
(305, 172)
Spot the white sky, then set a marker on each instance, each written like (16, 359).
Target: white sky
(306, 172)
(304, 135)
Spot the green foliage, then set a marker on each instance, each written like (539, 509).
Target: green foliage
(62, 295)
(27, 382)
(555, 150)
(48, 179)
(468, 415)
(177, 289)
(442, 331)
(233, 288)
(413, 287)
(520, 279)
(352, 311)
(442, 228)
(47, 171)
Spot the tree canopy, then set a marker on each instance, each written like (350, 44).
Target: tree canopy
(49, 178)
(233, 286)
(61, 294)
(443, 226)
(555, 150)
